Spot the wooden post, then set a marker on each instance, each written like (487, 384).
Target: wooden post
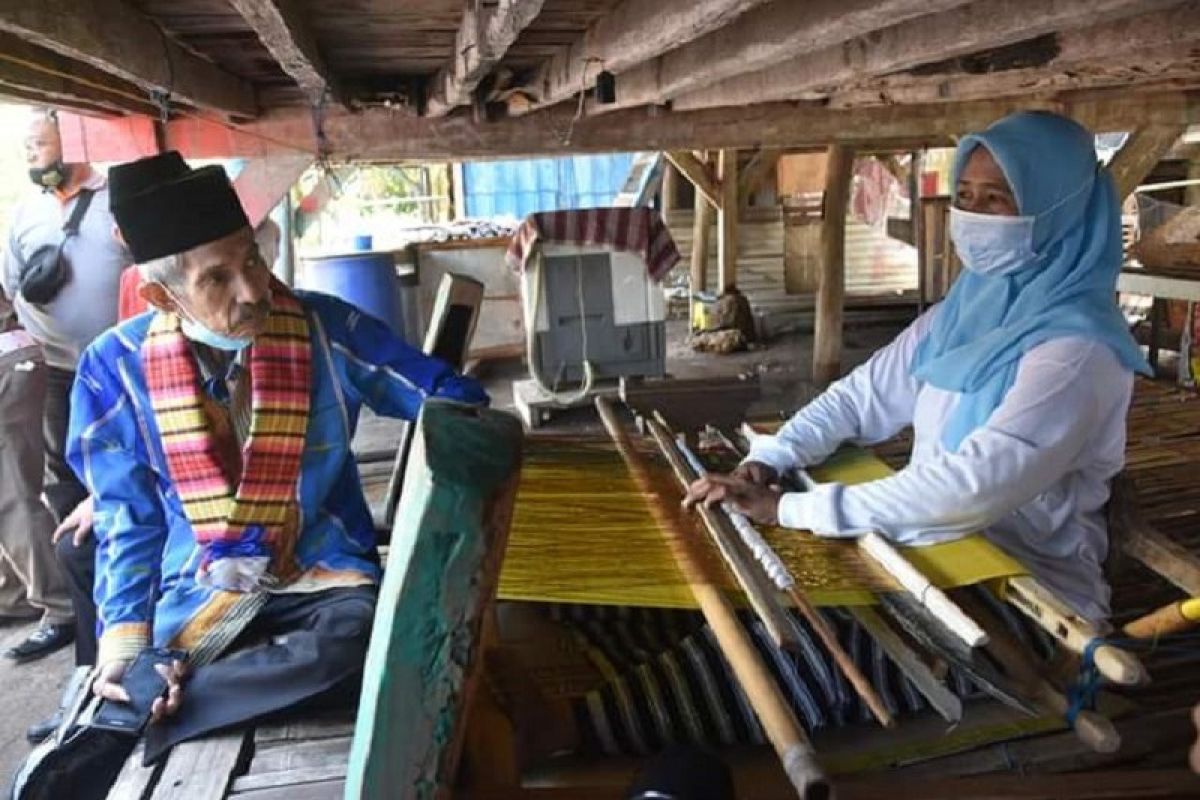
(827, 338)
(727, 220)
(441, 575)
(701, 225)
(670, 179)
(1140, 154)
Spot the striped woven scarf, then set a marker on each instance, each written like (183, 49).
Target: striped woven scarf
(257, 518)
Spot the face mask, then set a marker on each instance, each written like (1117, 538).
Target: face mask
(996, 245)
(991, 244)
(50, 177)
(205, 335)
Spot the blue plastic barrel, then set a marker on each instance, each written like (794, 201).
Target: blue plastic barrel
(366, 280)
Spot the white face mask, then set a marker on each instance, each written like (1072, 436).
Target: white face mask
(996, 245)
(991, 244)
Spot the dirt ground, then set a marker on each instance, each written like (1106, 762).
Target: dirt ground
(30, 692)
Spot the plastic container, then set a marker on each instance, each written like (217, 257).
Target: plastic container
(365, 280)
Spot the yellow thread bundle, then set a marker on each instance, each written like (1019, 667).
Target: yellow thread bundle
(582, 533)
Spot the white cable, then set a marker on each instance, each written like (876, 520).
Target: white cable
(589, 375)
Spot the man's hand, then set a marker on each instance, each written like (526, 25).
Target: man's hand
(78, 523)
(759, 503)
(108, 685)
(757, 473)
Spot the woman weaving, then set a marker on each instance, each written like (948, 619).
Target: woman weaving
(1016, 386)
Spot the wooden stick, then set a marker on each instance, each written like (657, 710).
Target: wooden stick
(792, 746)
(752, 581)
(782, 576)
(1037, 603)
(1094, 730)
(919, 586)
(944, 701)
(1175, 617)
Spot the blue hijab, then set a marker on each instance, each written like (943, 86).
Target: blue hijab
(986, 323)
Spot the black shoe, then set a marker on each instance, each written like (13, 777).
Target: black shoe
(42, 642)
(9, 620)
(39, 732)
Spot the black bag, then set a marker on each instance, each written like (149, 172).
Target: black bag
(46, 271)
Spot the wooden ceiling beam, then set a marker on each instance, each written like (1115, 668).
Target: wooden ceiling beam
(59, 81)
(483, 37)
(633, 32)
(968, 29)
(285, 33)
(114, 37)
(384, 135)
(758, 39)
(1134, 50)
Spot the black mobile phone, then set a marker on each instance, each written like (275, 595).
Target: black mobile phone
(144, 685)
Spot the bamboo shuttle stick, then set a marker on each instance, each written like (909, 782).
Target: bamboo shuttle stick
(779, 573)
(787, 738)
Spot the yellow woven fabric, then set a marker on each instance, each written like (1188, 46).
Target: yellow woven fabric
(582, 533)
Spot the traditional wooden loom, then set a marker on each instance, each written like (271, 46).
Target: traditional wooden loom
(457, 684)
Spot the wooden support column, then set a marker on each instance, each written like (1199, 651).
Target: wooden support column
(727, 220)
(827, 338)
(670, 180)
(1139, 155)
(702, 218)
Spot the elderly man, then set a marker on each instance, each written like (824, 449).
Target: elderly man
(214, 436)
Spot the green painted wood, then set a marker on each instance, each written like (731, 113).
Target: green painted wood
(441, 572)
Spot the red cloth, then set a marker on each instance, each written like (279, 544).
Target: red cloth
(129, 301)
(633, 230)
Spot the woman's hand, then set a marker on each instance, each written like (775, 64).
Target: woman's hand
(759, 503)
(757, 473)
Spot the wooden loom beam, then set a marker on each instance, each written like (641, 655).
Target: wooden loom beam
(443, 563)
(782, 729)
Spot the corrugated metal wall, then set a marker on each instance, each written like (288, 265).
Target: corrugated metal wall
(518, 188)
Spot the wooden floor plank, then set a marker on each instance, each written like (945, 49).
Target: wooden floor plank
(327, 790)
(135, 781)
(289, 777)
(326, 726)
(202, 769)
(282, 756)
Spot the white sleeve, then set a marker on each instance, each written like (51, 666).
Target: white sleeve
(1028, 444)
(871, 404)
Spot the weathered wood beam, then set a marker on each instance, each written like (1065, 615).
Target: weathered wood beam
(484, 36)
(760, 166)
(727, 220)
(60, 81)
(112, 36)
(443, 563)
(375, 134)
(699, 173)
(1143, 149)
(760, 38)
(631, 33)
(1140, 49)
(981, 25)
(283, 30)
(831, 292)
(23, 97)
